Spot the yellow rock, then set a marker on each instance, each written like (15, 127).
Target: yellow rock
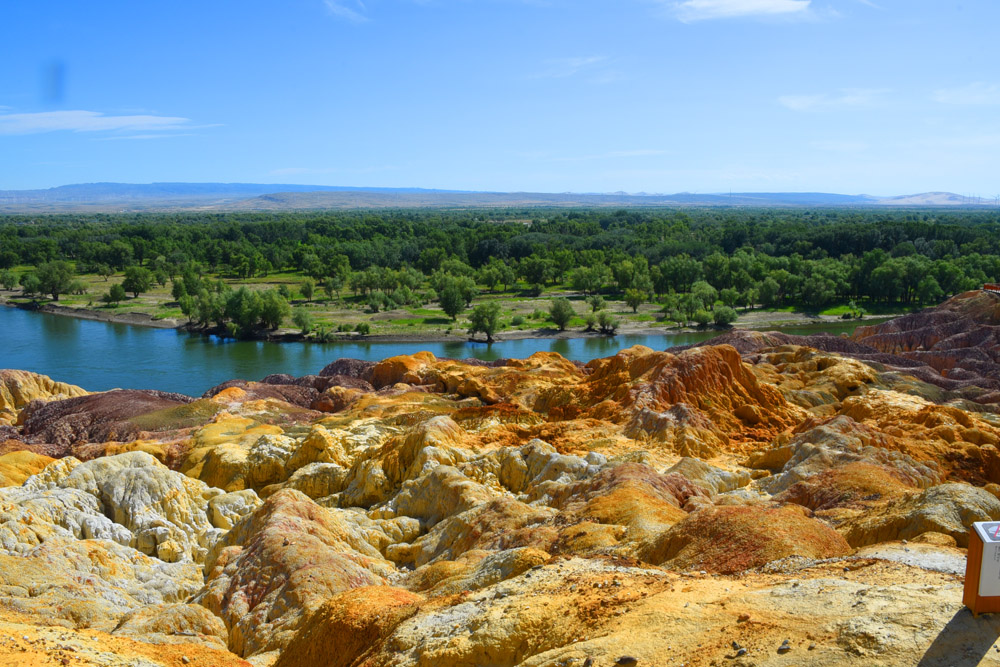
(18, 388)
(219, 451)
(16, 467)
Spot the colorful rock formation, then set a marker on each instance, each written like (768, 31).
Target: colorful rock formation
(693, 506)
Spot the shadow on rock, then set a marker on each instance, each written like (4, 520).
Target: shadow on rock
(963, 641)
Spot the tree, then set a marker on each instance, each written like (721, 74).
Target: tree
(121, 254)
(104, 270)
(452, 300)
(114, 295)
(561, 311)
(679, 272)
(729, 296)
(54, 278)
(489, 277)
(596, 302)
(537, 270)
(485, 318)
(8, 259)
(507, 275)
(378, 300)
(769, 291)
(702, 317)
(138, 279)
(634, 298)
(716, 268)
(9, 279)
(689, 304)
(748, 298)
(705, 293)
(242, 309)
(308, 287)
(724, 315)
(273, 309)
(303, 319)
(188, 304)
(928, 290)
(332, 286)
(177, 290)
(590, 279)
(30, 284)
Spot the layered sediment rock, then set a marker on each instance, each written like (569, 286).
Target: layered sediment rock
(648, 508)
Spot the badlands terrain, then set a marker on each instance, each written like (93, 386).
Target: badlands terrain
(759, 500)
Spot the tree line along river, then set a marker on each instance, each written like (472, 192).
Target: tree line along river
(99, 356)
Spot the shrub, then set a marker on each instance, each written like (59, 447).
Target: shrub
(724, 315)
(324, 334)
(607, 323)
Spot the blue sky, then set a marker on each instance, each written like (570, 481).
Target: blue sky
(854, 96)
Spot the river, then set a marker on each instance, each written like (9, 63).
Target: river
(99, 356)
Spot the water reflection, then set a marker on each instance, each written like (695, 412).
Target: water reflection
(99, 356)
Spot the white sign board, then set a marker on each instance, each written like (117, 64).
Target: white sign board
(989, 573)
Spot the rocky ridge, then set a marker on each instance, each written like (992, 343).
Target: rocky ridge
(752, 501)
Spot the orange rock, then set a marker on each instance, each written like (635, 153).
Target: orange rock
(348, 625)
(735, 539)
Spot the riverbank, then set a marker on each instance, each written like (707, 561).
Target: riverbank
(134, 319)
(753, 319)
(93, 354)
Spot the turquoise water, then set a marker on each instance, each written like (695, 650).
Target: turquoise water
(99, 356)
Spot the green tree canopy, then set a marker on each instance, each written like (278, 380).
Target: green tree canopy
(54, 278)
(138, 279)
(452, 300)
(561, 311)
(485, 318)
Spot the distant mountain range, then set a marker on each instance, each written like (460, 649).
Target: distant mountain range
(121, 197)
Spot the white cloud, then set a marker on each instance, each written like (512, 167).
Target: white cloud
(977, 93)
(850, 97)
(700, 10)
(86, 121)
(349, 10)
(560, 68)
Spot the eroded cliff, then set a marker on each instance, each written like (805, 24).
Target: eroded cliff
(756, 503)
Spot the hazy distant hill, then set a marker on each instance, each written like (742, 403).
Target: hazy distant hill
(155, 196)
(377, 199)
(110, 197)
(936, 199)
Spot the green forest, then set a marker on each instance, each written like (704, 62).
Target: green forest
(694, 265)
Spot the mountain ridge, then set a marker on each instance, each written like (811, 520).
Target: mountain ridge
(165, 196)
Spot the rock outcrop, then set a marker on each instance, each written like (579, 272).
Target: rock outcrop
(695, 506)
